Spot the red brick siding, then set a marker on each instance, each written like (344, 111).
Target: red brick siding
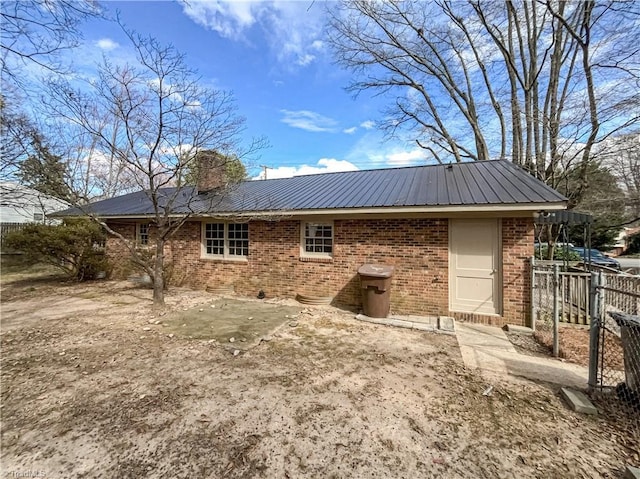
(517, 248)
(418, 248)
(117, 251)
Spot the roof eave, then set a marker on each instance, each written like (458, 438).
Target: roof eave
(391, 210)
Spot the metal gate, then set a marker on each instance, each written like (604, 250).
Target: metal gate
(557, 297)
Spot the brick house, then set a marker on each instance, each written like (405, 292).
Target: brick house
(459, 236)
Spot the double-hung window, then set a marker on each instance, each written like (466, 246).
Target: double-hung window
(225, 240)
(317, 240)
(142, 233)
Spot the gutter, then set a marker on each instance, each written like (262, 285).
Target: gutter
(533, 208)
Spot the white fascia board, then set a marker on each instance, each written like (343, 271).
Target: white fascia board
(533, 208)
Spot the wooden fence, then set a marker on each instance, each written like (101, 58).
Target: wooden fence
(7, 228)
(559, 297)
(568, 292)
(573, 293)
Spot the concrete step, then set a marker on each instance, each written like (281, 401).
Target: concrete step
(578, 401)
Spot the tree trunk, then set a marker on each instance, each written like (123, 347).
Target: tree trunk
(158, 274)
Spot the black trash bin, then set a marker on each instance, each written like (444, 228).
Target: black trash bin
(376, 289)
(630, 338)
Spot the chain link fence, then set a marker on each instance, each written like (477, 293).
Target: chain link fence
(614, 350)
(610, 305)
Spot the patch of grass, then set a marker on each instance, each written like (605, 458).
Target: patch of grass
(245, 321)
(18, 267)
(21, 275)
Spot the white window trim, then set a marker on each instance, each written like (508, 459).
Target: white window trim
(225, 256)
(304, 253)
(138, 234)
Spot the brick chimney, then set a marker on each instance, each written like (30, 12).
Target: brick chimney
(211, 167)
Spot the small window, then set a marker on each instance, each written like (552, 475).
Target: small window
(238, 236)
(38, 217)
(142, 233)
(317, 239)
(214, 239)
(226, 240)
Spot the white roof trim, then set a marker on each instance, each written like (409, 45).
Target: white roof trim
(395, 210)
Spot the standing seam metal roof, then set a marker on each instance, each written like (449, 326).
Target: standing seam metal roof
(498, 182)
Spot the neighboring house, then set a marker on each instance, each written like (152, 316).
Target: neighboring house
(459, 236)
(19, 204)
(623, 239)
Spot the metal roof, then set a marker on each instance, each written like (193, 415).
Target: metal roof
(564, 217)
(481, 183)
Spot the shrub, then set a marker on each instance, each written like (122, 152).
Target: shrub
(634, 244)
(75, 247)
(559, 253)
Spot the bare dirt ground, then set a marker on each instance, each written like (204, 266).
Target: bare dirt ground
(93, 387)
(573, 346)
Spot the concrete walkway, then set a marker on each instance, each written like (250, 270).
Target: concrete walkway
(488, 349)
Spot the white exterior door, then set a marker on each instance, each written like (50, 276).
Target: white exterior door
(474, 266)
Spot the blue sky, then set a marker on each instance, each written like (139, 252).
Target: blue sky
(274, 57)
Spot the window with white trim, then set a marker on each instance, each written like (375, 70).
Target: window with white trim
(142, 233)
(317, 239)
(225, 240)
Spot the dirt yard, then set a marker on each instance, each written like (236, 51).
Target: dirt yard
(95, 383)
(573, 344)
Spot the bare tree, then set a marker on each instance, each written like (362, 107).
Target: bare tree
(17, 138)
(539, 81)
(30, 174)
(34, 35)
(46, 155)
(35, 32)
(159, 118)
(623, 159)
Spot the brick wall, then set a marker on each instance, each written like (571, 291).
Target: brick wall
(418, 248)
(118, 253)
(517, 248)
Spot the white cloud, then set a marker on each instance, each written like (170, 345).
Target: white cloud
(373, 150)
(350, 131)
(368, 125)
(291, 29)
(325, 165)
(229, 19)
(107, 44)
(308, 120)
(305, 59)
(406, 158)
